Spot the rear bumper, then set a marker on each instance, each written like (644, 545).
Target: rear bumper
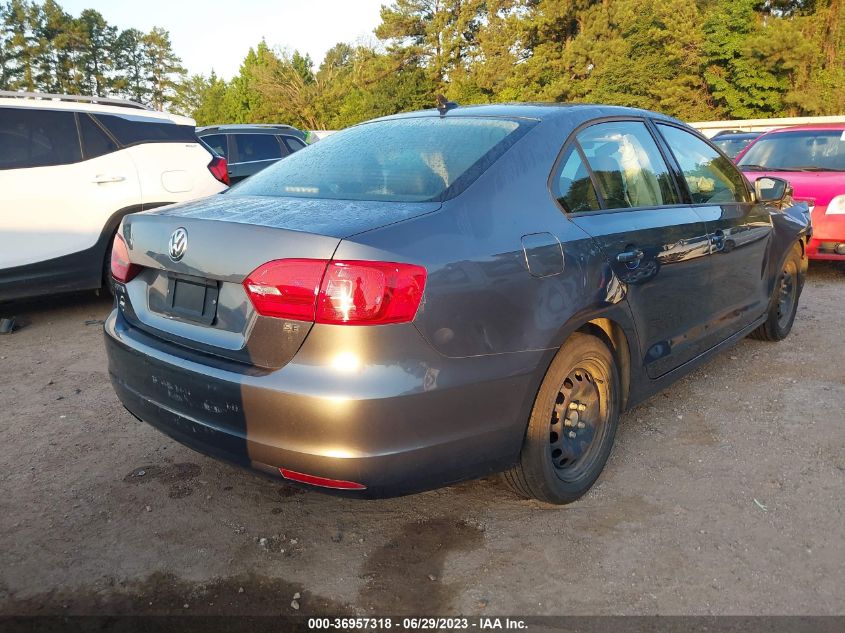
(401, 425)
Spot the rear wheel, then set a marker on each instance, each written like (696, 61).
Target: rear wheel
(572, 425)
(784, 302)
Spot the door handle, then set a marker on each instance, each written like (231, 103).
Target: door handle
(100, 179)
(629, 257)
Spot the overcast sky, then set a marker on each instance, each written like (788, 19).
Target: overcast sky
(217, 34)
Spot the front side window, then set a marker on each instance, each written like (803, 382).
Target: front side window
(628, 167)
(710, 177)
(399, 160)
(255, 147)
(797, 150)
(32, 137)
(573, 188)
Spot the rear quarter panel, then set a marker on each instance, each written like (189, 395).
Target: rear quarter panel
(480, 298)
(174, 172)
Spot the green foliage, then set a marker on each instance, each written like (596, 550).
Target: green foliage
(694, 59)
(45, 49)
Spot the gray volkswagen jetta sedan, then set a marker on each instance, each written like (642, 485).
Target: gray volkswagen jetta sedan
(440, 295)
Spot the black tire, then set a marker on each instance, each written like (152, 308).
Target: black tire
(580, 396)
(784, 302)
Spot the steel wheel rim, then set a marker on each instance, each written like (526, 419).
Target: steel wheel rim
(786, 295)
(578, 421)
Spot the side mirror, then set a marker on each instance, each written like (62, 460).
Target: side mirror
(769, 189)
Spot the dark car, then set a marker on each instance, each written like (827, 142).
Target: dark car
(432, 297)
(732, 142)
(250, 148)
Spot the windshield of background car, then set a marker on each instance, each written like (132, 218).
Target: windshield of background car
(399, 160)
(731, 146)
(799, 150)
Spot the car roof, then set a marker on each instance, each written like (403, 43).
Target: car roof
(134, 111)
(269, 128)
(733, 134)
(538, 111)
(830, 127)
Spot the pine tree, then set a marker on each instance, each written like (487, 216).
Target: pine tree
(22, 45)
(162, 67)
(96, 59)
(130, 55)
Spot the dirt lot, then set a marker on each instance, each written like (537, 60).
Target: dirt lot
(724, 495)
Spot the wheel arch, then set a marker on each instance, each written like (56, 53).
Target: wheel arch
(613, 335)
(614, 326)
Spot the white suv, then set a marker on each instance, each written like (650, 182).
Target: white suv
(71, 168)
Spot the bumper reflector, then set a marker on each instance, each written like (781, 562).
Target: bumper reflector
(323, 482)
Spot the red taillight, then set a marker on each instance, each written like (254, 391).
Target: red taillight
(286, 288)
(121, 269)
(370, 293)
(219, 169)
(323, 482)
(337, 292)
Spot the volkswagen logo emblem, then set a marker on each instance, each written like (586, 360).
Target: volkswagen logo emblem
(178, 244)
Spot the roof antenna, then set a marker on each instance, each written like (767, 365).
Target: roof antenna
(443, 106)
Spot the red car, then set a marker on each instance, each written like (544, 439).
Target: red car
(812, 159)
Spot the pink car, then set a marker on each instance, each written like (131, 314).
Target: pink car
(812, 159)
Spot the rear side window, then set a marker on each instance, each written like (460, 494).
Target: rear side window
(255, 147)
(573, 188)
(628, 167)
(398, 160)
(37, 138)
(134, 129)
(218, 143)
(95, 142)
(710, 177)
(293, 144)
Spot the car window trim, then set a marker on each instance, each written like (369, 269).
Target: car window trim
(97, 124)
(700, 136)
(263, 160)
(572, 139)
(208, 146)
(95, 115)
(285, 138)
(285, 149)
(79, 137)
(234, 145)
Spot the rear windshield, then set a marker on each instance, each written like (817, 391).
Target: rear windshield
(801, 150)
(400, 160)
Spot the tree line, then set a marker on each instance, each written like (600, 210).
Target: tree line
(45, 49)
(694, 59)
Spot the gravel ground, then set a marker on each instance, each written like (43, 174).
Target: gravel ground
(724, 495)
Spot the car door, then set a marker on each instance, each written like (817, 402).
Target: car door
(252, 152)
(740, 231)
(654, 244)
(58, 200)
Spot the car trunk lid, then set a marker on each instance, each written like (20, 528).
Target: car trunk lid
(196, 299)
